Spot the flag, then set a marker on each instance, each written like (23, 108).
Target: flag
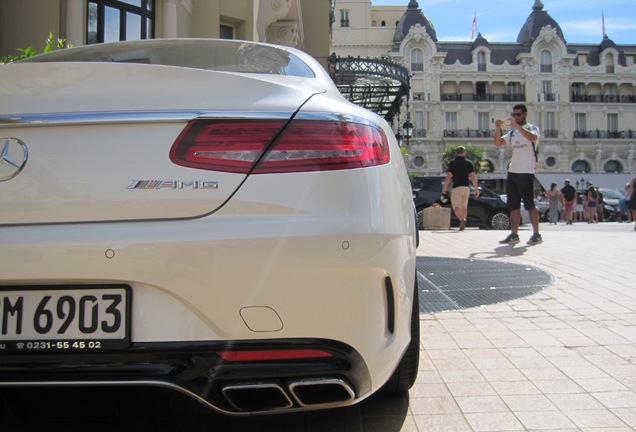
(603, 18)
(473, 30)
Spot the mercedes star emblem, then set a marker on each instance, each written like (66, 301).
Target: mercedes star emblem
(13, 157)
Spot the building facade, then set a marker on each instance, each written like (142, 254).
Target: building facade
(582, 96)
(302, 24)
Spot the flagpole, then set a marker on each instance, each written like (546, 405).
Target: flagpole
(603, 19)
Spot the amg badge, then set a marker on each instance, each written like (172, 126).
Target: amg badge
(173, 184)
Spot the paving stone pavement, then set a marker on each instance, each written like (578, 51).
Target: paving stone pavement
(561, 359)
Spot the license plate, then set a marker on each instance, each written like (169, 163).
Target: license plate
(68, 319)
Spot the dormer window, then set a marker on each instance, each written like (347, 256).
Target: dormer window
(609, 63)
(545, 59)
(417, 60)
(481, 61)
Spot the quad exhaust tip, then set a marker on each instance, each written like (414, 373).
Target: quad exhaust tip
(312, 392)
(257, 397)
(271, 396)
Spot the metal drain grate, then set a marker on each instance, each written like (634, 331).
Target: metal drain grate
(451, 283)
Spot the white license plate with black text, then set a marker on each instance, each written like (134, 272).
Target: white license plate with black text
(68, 319)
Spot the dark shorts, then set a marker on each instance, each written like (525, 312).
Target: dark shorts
(520, 187)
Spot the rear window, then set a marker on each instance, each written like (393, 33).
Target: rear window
(207, 54)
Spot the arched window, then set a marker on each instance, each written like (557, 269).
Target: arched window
(417, 60)
(545, 59)
(609, 63)
(481, 61)
(581, 166)
(613, 166)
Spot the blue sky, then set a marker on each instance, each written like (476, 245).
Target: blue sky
(501, 20)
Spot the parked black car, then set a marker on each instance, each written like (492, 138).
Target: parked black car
(487, 211)
(612, 204)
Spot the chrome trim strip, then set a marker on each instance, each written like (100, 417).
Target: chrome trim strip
(92, 117)
(160, 116)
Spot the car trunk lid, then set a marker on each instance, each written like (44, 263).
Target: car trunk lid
(85, 142)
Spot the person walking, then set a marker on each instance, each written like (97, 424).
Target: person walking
(600, 205)
(461, 170)
(592, 203)
(553, 196)
(524, 139)
(628, 194)
(569, 199)
(630, 199)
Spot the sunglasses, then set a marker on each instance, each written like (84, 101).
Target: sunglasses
(516, 114)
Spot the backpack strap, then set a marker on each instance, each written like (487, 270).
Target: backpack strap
(535, 148)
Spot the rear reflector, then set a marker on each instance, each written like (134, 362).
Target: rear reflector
(238, 145)
(287, 354)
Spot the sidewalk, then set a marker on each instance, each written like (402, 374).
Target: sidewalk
(561, 359)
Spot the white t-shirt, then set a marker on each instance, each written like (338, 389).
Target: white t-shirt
(523, 159)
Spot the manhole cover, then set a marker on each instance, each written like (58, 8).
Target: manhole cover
(451, 283)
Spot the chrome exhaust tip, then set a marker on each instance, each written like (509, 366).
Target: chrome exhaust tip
(322, 391)
(257, 397)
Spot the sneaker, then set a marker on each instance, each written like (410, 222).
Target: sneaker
(535, 239)
(462, 225)
(511, 239)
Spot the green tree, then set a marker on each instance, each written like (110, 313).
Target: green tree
(472, 153)
(49, 45)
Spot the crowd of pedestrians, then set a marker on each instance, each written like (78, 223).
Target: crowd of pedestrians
(568, 205)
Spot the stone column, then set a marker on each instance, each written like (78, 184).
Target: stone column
(75, 22)
(169, 21)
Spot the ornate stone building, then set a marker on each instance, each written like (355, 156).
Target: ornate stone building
(302, 24)
(582, 96)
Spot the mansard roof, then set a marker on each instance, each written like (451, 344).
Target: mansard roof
(411, 17)
(504, 52)
(480, 41)
(535, 22)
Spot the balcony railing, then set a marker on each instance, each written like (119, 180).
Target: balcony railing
(604, 98)
(550, 133)
(468, 133)
(419, 133)
(597, 133)
(546, 68)
(484, 97)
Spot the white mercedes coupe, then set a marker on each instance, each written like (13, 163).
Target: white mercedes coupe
(203, 215)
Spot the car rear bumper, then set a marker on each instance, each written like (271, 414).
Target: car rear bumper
(196, 369)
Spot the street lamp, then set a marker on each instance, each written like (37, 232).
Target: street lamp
(407, 129)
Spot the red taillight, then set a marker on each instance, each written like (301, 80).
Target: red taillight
(261, 355)
(305, 145)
